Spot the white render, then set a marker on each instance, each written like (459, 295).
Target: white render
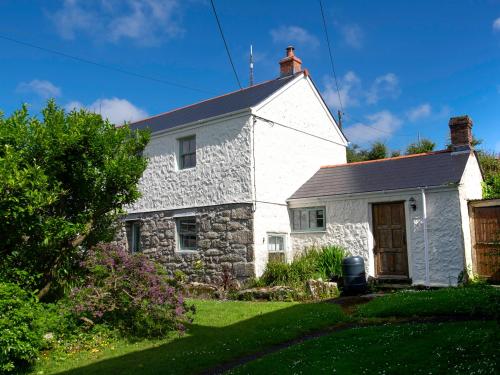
(261, 155)
(223, 172)
(349, 223)
(285, 158)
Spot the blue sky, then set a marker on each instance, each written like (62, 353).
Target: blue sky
(404, 67)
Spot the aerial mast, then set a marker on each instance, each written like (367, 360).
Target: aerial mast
(251, 65)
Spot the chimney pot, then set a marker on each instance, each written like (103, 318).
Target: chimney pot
(461, 133)
(290, 64)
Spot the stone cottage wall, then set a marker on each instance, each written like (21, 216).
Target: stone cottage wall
(225, 242)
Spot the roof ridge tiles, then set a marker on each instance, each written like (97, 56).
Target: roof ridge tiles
(386, 159)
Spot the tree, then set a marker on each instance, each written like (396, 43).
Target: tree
(422, 146)
(65, 179)
(355, 154)
(490, 165)
(378, 151)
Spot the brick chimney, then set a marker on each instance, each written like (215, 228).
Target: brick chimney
(461, 133)
(291, 64)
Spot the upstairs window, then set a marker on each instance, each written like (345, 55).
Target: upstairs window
(308, 219)
(134, 236)
(186, 228)
(187, 152)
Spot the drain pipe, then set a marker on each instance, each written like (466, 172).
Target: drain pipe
(426, 237)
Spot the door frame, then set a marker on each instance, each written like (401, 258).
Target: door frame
(407, 223)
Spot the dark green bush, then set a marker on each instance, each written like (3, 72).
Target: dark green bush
(20, 336)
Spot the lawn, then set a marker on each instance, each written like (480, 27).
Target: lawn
(472, 301)
(220, 331)
(225, 331)
(444, 348)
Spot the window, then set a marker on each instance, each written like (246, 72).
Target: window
(276, 247)
(134, 236)
(187, 152)
(308, 219)
(186, 227)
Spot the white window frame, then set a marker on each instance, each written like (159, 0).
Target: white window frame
(300, 210)
(180, 248)
(180, 159)
(281, 235)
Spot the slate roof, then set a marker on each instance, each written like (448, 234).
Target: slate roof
(421, 170)
(217, 106)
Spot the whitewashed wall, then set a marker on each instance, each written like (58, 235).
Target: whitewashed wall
(285, 159)
(349, 223)
(470, 189)
(222, 174)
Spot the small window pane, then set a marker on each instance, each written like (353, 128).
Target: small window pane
(187, 233)
(187, 152)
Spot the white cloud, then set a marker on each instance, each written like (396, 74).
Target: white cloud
(42, 88)
(353, 35)
(294, 35)
(417, 113)
(350, 89)
(352, 92)
(496, 24)
(116, 110)
(380, 125)
(146, 22)
(383, 86)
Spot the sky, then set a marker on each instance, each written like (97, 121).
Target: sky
(403, 67)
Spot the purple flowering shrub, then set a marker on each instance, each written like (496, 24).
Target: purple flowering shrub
(129, 292)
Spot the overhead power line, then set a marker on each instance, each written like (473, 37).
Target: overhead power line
(225, 43)
(360, 122)
(104, 66)
(330, 54)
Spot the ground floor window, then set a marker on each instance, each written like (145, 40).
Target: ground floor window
(134, 236)
(186, 228)
(276, 247)
(308, 219)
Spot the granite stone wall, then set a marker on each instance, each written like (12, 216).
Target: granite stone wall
(224, 237)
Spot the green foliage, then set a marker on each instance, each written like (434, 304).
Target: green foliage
(20, 338)
(329, 261)
(490, 164)
(377, 151)
(422, 146)
(472, 301)
(65, 178)
(128, 292)
(311, 264)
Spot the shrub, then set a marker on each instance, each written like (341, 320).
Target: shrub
(314, 263)
(129, 292)
(329, 262)
(20, 338)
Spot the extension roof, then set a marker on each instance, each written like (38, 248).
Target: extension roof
(421, 170)
(220, 105)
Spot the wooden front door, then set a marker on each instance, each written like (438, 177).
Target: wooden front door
(487, 242)
(389, 227)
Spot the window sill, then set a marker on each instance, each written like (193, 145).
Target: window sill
(308, 231)
(186, 252)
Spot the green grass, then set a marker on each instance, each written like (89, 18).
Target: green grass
(472, 301)
(220, 331)
(445, 348)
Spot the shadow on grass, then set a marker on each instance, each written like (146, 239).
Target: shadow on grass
(205, 347)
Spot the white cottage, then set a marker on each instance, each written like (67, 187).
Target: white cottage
(229, 186)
